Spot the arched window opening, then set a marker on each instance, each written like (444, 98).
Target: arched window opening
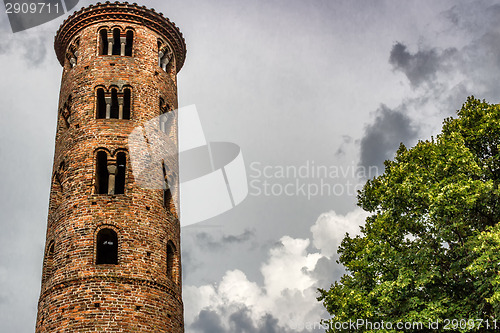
(116, 42)
(165, 117)
(51, 250)
(171, 261)
(164, 55)
(114, 112)
(126, 103)
(101, 104)
(66, 111)
(129, 43)
(107, 247)
(103, 45)
(121, 162)
(160, 53)
(49, 258)
(167, 193)
(102, 174)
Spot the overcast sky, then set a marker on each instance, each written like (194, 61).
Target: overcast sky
(305, 84)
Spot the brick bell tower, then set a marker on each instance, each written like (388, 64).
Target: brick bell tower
(112, 254)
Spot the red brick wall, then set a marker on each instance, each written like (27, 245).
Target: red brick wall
(136, 295)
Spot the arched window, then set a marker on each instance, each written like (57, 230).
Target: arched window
(66, 111)
(129, 43)
(107, 247)
(167, 193)
(102, 175)
(126, 103)
(164, 55)
(116, 42)
(49, 258)
(171, 261)
(114, 104)
(121, 162)
(103, 45)
(101, 104)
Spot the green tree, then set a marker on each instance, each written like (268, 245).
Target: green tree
(431, 248)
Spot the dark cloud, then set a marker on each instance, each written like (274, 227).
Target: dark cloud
(240, 321)
(346, 139)
(327, 271)
(208, 322)
(383, 137)
(32, 44)
(207, 240)
(422, 66)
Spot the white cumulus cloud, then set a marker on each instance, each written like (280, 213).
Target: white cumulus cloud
(286, 301)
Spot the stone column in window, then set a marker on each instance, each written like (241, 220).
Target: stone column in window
(110, 43)
(112, 176)
(108, 106)
(123, 41)
(160, 57)
(165, 60)
(120, 106)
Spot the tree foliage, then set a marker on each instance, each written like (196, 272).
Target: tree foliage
(431, 248)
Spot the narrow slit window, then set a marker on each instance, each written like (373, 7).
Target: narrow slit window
(103, 46)
(129, 43)
(121, 161)
(116, 42)
(102, 175)
(49, 258)
(170, 260)
(107, 247)
(101, 104)
(167, 193)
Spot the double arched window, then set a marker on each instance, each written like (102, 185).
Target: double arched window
(116, 42)
(110, 172)
(113, 103)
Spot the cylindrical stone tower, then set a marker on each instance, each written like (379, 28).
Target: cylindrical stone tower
(112, 255)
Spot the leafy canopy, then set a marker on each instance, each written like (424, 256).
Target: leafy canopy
(431, 248)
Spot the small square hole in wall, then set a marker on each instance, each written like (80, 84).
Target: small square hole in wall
(168, 315)
(94, 203)
(97, 305)
(148, 254)
(147, 208)
(111, 64)
(138, 307)
(86, 67)
(77, 126)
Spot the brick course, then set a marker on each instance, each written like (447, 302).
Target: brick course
(136, 295)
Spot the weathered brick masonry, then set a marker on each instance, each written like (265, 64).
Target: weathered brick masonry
(112, 255)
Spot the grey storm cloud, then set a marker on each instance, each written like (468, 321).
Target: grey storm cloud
(209, 241)
(383, 137)
(32, 44)
(421, 66)
(240, 321)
